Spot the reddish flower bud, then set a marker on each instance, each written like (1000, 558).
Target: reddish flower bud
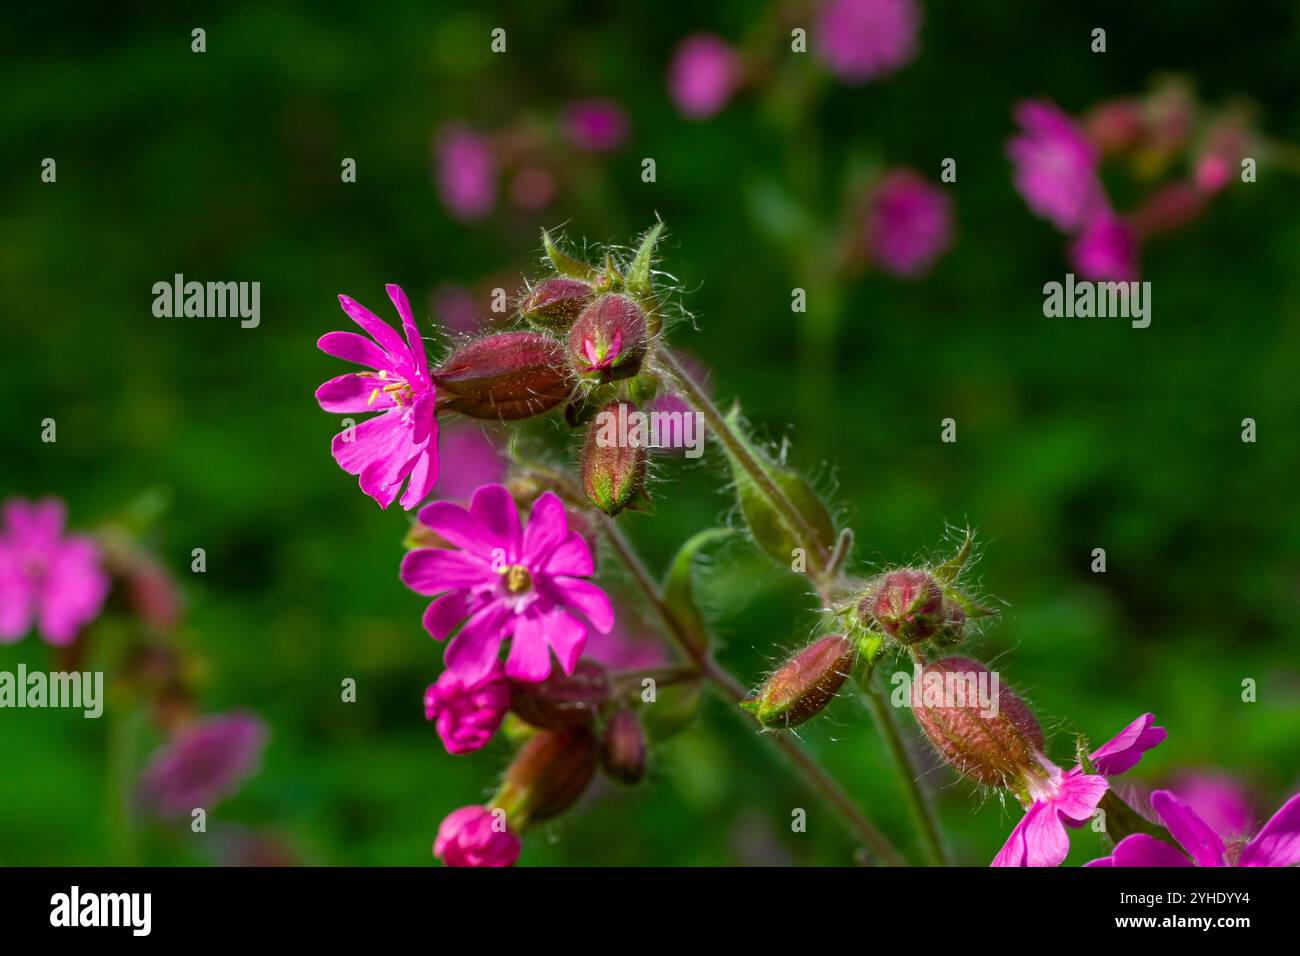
(556, 302)
(549, 774)
(562, 700)
(984, 730)
(805, 684)
(508, 376)
(907, 605)
(954, 624)
(608, 341)
(614, 459)
(622, 751)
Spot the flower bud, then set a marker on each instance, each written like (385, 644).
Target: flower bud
(622, 751)
(954, 624)
(608, 341)
(562, 700)
(508, 376)
(476, 836)
(549, 774)
(614, 459)
(907, 605)
(991, 740)
(556, 302)
(805, 684)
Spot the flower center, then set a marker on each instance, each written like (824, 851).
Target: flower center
(518, 580)
(399, 388)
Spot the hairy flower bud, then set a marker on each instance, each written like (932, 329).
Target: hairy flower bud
(907, 605)
(990, 738)
(622, 751)
(556, 302)
(614, 459)
(508, 376)
(802, 686)
(549, 774)
(608, 340)
(562, 700)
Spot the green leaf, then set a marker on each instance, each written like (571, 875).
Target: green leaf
(679, 587)
(564, 263)
(1122, 820)
(638, 273)
(672, 711)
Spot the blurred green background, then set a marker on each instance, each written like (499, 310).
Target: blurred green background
(1072, 435)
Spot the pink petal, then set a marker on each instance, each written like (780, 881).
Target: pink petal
(444, 615)
(424, 426)
(352, 393)
(379, 482)
(547, 527)
(413, 340)
(530, 654)
(377, 328)
(423, 477)
(587, 598)
(1013, 851)
(1278, 844)
(1079, 795)
(1046, 842)
(455, 524)
(571, 557)
(42, 520)
(355, 348)
(1191, 832)
(74, 592)
(375, 439)
(434, 570)
(1126, 748)
(1140, 849)
(473, 652)
(496, 512)
(567, 637)
(1103, 861)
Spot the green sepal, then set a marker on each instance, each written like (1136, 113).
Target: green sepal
(564, 263)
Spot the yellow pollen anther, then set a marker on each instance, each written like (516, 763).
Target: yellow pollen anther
(518, 580)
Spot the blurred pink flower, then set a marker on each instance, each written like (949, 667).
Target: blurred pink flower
(909, 223)
(595, 125)
(455, 307)
(48, 578)
(467, 715)
(625, 649)
(1070, 797)
(1277, 844)
(466, 172)
(1055, 166)
(203, 764)
(507, 582)
(703, 74)
(532, 188)
(1217, 799)
(861, 40)
(470, 458)
(470, 837)
(1106, 251)
(402, 443)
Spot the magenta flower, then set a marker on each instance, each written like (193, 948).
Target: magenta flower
(466, 172)
(1106, 250)
(505, 582)
(477, 460)
(623, 649)
(703, 74)
(595, 125)
(203, 764)
(1277, 844)
(402, 443)
(467, 715)
(909, 223)
(1217, 799)
(471, 836)
(1063, 798)
(46, 577)
(1055, 166)
(861, 40)
(455, 307)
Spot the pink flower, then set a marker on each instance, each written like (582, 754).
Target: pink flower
(203, 764)
(1055, 166)
(1070, 797)
(474, 459)
(505, 582)
(466, 172)
(1106, 251)
(623, 649)
(467, 715)
(909, 223)
(861, 40)
(595, 125)
(703, 74)
(471, 836)
(402, 443)
(46, 577)
(1277, 844)
(1217, 799)
(455, 307)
